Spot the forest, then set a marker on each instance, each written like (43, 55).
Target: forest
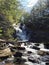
(37, 21)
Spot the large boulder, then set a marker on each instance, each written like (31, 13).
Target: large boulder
(5, 52)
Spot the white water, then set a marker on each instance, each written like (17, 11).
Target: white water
(21, 33)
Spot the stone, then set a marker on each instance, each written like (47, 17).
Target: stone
(5, 52)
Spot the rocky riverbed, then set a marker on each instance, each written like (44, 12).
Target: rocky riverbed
(29, 57)
(34, 54)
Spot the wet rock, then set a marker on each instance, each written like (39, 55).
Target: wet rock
(43, 52)
(37, 44)
(29, 52)
(19, 60)
(32, 59)
(47, 63)
(35, 47)
(24, 60)
(20, 48)
(18, 54)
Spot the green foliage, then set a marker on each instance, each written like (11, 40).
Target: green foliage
(10, 13)
(10, 8)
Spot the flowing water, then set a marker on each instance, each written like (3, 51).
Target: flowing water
(21, 32)
(21, 35)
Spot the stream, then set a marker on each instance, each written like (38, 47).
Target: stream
(39, 60)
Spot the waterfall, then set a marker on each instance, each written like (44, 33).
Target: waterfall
(20, 31)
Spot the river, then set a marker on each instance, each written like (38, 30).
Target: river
(21, 35)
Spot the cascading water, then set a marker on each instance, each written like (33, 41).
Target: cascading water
(23, 35)
(21, 32)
